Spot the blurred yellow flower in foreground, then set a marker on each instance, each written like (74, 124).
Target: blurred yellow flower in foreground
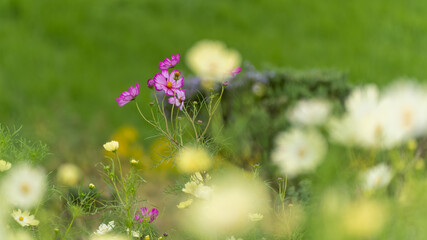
(364, 218)
(226, 211)
(68, 174)
(185, 204)
(4, 166)
(212, 61)
(111, 146)
(193, 159)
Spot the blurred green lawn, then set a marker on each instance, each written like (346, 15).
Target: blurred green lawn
(62, 63)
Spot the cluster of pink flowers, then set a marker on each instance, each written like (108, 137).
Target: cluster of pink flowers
(170, 83)
(145, 216)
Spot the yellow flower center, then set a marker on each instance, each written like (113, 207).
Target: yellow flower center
(21, 219)
(301, 152)
(25, 189)
(169, 85)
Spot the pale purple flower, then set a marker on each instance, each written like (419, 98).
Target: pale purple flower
(150, 83)
(178, 98)
(168, 63)
(168, 83)
(235, 71)
(128, 96)
(144, 215)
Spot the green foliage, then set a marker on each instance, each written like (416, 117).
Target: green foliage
(15, 149)
(255, 107)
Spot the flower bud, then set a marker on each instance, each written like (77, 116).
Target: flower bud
(111, 146)
(225, 84)
(134, 162)
(91, 186)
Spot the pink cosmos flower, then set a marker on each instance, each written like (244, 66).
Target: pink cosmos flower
(235, 71)
(178, 98)
(168, 83)
(128, 96)
(144, 215)
(150, 83)
(168, 63)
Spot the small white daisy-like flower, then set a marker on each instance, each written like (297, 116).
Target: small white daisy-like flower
(4, 166)
(24, 218)
(135, 234)
(111, 146)
(377, 177)
(105, 228)
(199, 190)
(24, 186)
(310, 112)
(255, 217)
(185, 204)
(299, 151)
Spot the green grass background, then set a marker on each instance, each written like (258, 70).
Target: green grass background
(62, 63)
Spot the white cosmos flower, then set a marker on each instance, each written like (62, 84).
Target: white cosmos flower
(24, 186)
(377, 177)
(24, 218)
(299, 151)
(255, 217)
(111, 146)
(199, 190)
(212, 61)
(310, 112)
(407, 110)
(105, 228)
(135, 234)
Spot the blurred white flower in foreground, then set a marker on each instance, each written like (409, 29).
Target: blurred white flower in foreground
(233, 238)
(105, 228)
(299, 151)
(24, 186)
(24, 218)
(68, 174)
(377, 177)
(4, 166)
(226, 212)
(310, 112)
(212, 61)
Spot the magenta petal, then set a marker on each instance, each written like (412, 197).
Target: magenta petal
(172, 100)
(180, 82)
(121, 101)
(144, 211)
(235, 71)
(153, 214)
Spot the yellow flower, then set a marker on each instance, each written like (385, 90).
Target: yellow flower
(185, 204)
(4, 166)
(111, 146)
(212, 61)
(193, 159)
(68, 174)
(24, 218)
(364, 218)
